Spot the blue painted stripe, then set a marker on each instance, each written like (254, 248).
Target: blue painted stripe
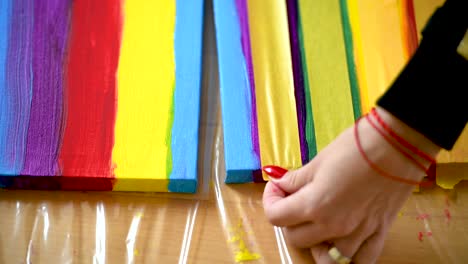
(18, 87)
(188, 63)
(5, 12)
(240, 157)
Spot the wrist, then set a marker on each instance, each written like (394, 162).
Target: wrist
(383, 157)
(409, 134)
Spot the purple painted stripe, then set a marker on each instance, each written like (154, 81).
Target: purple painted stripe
(298, 77)
(18, 84)
(51, 20)
(245, 40)
(257, 176)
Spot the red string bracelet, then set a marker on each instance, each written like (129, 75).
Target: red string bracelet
(374, 166)
(401, 140)
(395, 145)
(430, 172)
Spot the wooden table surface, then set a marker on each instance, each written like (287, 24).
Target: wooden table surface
(218, 225)
(79, 227)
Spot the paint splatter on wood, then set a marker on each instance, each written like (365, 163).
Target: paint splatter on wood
(243, 253)
(422, 217)
(420, 236)
(448, 215)
(450, 197)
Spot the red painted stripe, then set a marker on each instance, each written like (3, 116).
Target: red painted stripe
(412, 28)
(90, 102)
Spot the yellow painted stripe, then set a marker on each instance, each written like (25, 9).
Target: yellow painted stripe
(381, 44)
(146, 77)
(358, 54)
(325, 51)
(274, 87)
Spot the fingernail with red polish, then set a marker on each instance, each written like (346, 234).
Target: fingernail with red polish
(274, 171)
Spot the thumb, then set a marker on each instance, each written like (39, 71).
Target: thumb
(290, 181)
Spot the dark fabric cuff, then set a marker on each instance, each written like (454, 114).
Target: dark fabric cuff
(431, 93)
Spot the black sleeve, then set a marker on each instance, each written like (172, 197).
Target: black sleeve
(431, 93)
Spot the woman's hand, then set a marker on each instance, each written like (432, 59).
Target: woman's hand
(338, 199)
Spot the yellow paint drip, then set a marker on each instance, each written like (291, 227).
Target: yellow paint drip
(274, 86)
(449, 175)
(146, 77)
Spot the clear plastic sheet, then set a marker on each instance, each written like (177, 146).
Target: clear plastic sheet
(220, 224)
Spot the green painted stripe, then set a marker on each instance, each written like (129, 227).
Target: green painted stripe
(353, 81)
(310, 128)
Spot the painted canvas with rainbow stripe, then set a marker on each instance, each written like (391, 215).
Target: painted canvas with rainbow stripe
(100, 95)
(294, 74)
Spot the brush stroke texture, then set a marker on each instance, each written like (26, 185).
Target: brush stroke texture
(49, 44)
(17, 94)
(243, 15)
(91, 89)
(5, 13)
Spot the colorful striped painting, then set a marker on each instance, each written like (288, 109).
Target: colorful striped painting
(100, 95)
(294, 74)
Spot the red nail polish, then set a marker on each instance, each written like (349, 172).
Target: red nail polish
(274, 171)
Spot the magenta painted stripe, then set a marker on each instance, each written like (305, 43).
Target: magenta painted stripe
(242, 13)
(299, 93)
(17, 98)
(51, 20)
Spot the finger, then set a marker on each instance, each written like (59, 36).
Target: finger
(294, 180)
(320, 254)
(272, 194)
(308, 235)
(371, 248)
(349, 245)
(282, 210)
